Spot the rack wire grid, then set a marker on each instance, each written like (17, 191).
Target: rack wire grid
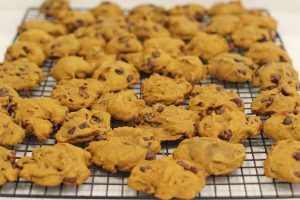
(246, 182)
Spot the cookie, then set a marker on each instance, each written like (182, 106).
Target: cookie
(282, 127)
(166, 122)
(95, 56)
(167, 178)
(55, 8)
(277, 100)
(214, 156)
(107, 9)
(7, 160)
(70, 67)
(259, 20)
(77, 93)
(244, 37)
(40, 116)
(53, 165)
(10, 133)
(116, 75)
(206, 46)
(76, 19)
(62, 46)
(124, 43)
(21, 74)
(22, 49)
(160, 89)
(40, 37)
(123, 148)
(44, 25)
(146, 12)
(83, 126)
(182, 27)
(123, 105)
(150, 60)
(145, 29)
(274, 75)
(231, 126)
(188, 67)
(231, 67)
(282, 161)
(172, 46)
(233, 7)
(222, 24)
(212, 98)
(88, 43)
(8, 98)
(193, 11)
(262, 53)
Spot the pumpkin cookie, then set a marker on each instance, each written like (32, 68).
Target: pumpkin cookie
(88, 43)
(123, 148)
(107, 9)
(44, 25)
(53, 165)
(8, 99)
(259, 20)
(146, 12)
(39, 116)
(124, 43)
(233, 7)
(222, 24)
(7, 161)
(40, 37)
(55, 8)
(123, 105)
(193, 11)
(83, 126)
(283, 161)
(95, 56)
(160, 89)
(76, 19)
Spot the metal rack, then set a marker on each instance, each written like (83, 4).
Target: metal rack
(246, 182)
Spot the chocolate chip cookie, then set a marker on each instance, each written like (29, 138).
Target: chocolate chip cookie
(76, 19)
(7, 160)
(123, 148)
(55, 8)
(40, 37)
(215, 156)
(88, 43)
(146, 12)
(51, 28)
(124, 43)
(259, 20)
(283, 161)
(40, 116)
(83, 126)
(193, 11)
(53, 165)
(95, 56)
(232, 7)
(160, 89)
(222, 24)
(107, 9)
(123, 105)
(167, 122)
(167, 178)
(8, 98)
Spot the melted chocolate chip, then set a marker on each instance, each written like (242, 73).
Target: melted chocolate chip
(72, 131)
(83, 93)
(155, 54)
(160, 108)
(150, 64)
(297, 174)
(225, 135)
(282, 59)
(148, 116)
(275, 78)
(96, 119)
(101, 77)
(284, 92)
(84, 125)
(219, 110)
(237, 101)
(119, 71)
(144, 168)
(263, 39)
(150, 155)
(187, 167)
(26, 49)
(70, 180)
(296, 156)
(129, 78)
(241, 71)
(287, 121)
(3, 92)
(200, 104)
(209, 110)
(268, 101)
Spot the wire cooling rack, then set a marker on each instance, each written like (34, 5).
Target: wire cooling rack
(246, 182)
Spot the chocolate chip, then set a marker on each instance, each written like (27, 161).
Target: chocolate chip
(200, 104)
(150, 64)
(3, 92)
(148, 139)
(72, 131)
(150, 155)
(282, 59)
(100, 137)
(209, 110)
(198, 16)
(187, 167)
(101, 77)
(83, 93)
(144, 168)
(287, 121)
(148, 116)
(275, 78)
(26, 49)
(154, 124)
(241, 71)
(84, 125)
(96, 119)
(263, 39)
(268, 101)
(155, 54)
(225, 135)
(160, 108)
(284, 92)
(237, 101)
(296, 156)
(129, 78)
(119, 71)
(70, 180)
(219, 110)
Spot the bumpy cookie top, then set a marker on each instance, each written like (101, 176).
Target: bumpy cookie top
(8, 98)
(49, 27)
(7, 160)
(222, 24)
(107, 9)
(193, 11)
(233, 7)
(123, 43)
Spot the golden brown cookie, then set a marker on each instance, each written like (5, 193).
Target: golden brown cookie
(49, 27)
(277, 100)
(8, 98)
(96, 56)
(70, 67)
(116, 75)
(188, 67)
(88, 43)
(53, 165)
(212, 98)
(21, 74)
(123, 148)
(262, 53)
(40, 37)
(7, 160)
(123, 105)
(172, 46)
(160, 89)
(167, 122)
(207, 46)
(146, 12)
(77, 93)
(167, 178)
(83, 126)
(63, 46)
(222, 24)
(232, 67)
(231, 126)
(29, 50)
(232, 7)
(55, 8)
(76, 19)
(282, 126)
(10, 133)
(274, 75)
(283, 161)
(124, 43)
(107, 9)
(193, 11)
(214, 156)
(259, 20)
(40, 116)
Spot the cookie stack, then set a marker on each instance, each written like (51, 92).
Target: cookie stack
(102, 53)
